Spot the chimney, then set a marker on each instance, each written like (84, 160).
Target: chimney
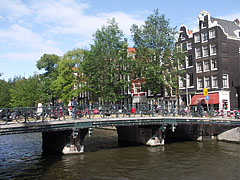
(237, 21)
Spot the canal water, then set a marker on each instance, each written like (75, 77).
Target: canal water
(21, 158)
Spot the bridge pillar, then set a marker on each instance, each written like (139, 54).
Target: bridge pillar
(149, 135)
(66, 142)
(158, 135)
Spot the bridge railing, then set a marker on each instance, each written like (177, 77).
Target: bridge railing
(49, 113)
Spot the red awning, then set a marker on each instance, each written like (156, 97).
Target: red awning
(213, 99)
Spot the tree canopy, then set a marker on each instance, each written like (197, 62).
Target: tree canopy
(156, 56)
(106, 66)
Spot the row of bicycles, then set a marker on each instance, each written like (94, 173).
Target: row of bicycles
(49, 113)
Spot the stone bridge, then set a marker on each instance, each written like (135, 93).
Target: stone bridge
(67, 135)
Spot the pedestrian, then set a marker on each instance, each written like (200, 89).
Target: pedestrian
(70, 108)
(199, 109)
(60, 108)
(74, 105)
(39, 109)
(182, 108)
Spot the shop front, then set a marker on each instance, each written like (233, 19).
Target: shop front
(219, 100)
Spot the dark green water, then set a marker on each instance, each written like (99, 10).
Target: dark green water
(21, 157)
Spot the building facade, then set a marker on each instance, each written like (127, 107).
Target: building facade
(212, 61)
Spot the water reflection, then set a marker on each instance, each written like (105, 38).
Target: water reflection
(22, 158)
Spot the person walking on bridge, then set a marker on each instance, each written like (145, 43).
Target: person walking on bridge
(74, 108)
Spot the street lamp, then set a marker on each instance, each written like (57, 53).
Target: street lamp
(186, 88)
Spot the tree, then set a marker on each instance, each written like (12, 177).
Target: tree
(67, 84)
(105, 66)
(48, 62)
(157, 58)
(4, 94)
(26, 92)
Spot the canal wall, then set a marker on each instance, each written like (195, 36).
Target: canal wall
(157, 135)
(198, 132)
(232, 135)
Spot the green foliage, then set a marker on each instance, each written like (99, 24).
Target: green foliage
(26, 92)
(4, 94)
(48, 62)
(106, 64)
(67, 84)
(156, 57)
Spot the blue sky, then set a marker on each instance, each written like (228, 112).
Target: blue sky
(30, 28)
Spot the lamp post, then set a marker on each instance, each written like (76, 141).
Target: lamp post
(186, 89)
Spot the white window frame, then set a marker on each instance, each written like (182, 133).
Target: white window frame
(204, 66)
(188, 81)
(203, 27)
(199, 70)
(198, 85)
(204, 35)
(206, 79)
(183, 46)
(197, 38)
(189, 45)
(197, 54)
(213, 60)
(211, 34)
(187, 61)
(227, 81)
(205, 51)
(211, 49)
(214, 78)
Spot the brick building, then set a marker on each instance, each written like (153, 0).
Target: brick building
(212, 61)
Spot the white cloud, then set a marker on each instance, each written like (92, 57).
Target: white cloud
(22, 56)
(24, 37)
(70, 17)
(14, 9)
(38, 27)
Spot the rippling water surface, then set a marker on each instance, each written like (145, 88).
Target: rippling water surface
(21, 158)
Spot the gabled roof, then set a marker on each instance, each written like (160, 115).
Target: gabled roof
(228, 26)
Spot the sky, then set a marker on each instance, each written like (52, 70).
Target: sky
(31, 28)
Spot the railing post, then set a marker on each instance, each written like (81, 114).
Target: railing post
(152, 109)
(89, 111)
(43, 114)
(6, 116)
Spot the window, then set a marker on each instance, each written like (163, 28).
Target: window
(213, 64)
(190, 79)
(199, 67)
(197, 38)
(204, 24)
(204, 37)
(189, 45)
(206, 66)
(182, 36)
(214, 81)
(225, 80)
(189, 61)
(212, 33)
(181, 83)
(199, 83)
(184, 46)
(207, 82)
(205, 51)
(213, 49)
(198, 53)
